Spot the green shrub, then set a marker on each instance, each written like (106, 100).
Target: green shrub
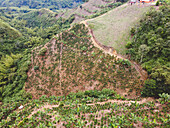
(132, 31)
(36, 67)
(129, 44)
(149, 88)
(164, 97)
(157, 3)
(107, 92)
(42, 51)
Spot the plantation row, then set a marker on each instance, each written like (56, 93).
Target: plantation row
(83, 109)
(70, 62)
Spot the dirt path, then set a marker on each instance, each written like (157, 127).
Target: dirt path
(138, 68)
(98, 45)
(145, 100)
(41, 109)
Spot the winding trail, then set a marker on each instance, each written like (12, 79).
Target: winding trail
(144, 100)
(112, 52)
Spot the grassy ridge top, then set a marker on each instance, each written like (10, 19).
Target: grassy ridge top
(112, 28)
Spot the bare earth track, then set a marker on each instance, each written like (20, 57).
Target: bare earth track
(112, 52)
(48, 106)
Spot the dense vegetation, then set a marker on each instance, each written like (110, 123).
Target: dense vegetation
(18, 36)
(151, 47)
(6, 31)
(29, 30)
(86, 109)
(37, 4)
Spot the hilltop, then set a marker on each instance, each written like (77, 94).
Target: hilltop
(39, 18)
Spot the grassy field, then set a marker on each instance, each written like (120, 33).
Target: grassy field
(113, 28)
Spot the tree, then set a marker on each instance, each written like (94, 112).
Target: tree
(8, 67)
(143, 50)
(81, 7)
(149, 88)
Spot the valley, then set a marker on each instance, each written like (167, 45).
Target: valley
(94, 63)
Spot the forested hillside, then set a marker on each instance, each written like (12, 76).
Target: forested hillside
(24, 31)
(6, 31)
(18, 35)
(151, 47)
(41, 18)
(37, 4)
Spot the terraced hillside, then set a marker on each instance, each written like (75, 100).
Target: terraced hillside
(70, 63)
(113, 28)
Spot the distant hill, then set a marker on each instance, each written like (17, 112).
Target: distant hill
(8, 32)
(37, 4)
(39, 18)
(90, 9)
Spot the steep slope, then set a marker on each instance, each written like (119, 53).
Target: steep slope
(150, 46)
(112, 28)
(8, 32)
(111, 51)
(39, 18)
(70, 63)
